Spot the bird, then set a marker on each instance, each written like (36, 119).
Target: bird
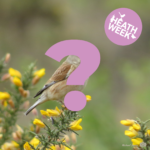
(122, 15)
(56, 87)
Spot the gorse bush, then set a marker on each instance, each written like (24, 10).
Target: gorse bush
(138, 132)
(54, 129)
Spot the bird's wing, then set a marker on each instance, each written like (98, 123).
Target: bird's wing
(44, 88)
(59, 75)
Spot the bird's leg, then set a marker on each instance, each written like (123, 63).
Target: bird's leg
(62, 102)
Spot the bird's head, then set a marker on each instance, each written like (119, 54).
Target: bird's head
(73, 60)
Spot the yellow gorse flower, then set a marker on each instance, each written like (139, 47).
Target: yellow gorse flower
(39, 123)
(127, 122)
(15, 144)
(137, 141)
(57, 147)
(7, 146)
(14, 73)
(40, 73)
(75, 125)
(131, 132)
(5, 103)
(35, 142)
(147, 133)
(88, 98)
(26, 146)
(131, 128)
(4, 96)
(55, 112)
(17, 81)
(66, 148)
(136, 127)
(52, 148)
(45, 113)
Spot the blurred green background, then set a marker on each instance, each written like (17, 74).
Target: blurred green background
(120, 88)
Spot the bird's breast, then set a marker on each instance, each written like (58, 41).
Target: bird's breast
(60, 89)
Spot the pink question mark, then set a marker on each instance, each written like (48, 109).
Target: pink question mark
(90, 60)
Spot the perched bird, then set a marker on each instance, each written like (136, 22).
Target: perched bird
(56, 88)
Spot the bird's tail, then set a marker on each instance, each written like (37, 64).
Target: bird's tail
(33, 106)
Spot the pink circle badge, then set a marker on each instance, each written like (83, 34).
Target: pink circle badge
(123, 26)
